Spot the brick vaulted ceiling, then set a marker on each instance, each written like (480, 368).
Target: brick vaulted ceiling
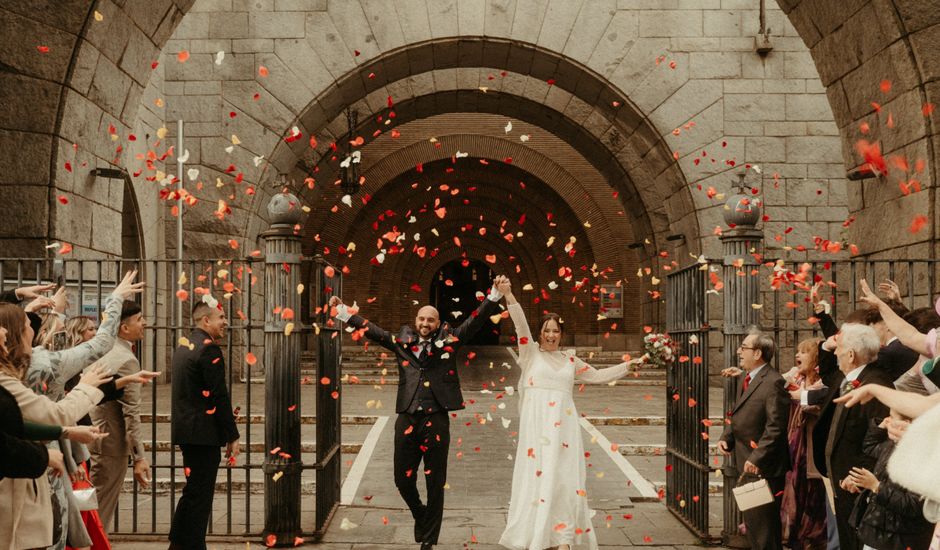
(519, 213)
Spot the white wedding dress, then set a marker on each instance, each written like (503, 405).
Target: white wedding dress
(549, 505)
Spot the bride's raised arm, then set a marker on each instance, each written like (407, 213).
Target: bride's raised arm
(527, 347)
(587, 373)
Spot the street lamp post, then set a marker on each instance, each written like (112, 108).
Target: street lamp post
(350, 165)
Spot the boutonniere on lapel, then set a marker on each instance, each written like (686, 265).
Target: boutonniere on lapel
(849, 385)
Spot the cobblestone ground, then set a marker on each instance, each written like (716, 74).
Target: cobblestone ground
(479, 472)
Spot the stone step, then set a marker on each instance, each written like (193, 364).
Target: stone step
(146, 418)
(393, 381)
(257, 447)
(162, 485)
(363, 420)
(714, 487)
(637, 420)
(625, 449)
(358, 355)
(308, 368)
(632, 449)
(373, 371)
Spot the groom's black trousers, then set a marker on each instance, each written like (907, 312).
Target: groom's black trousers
(428, 438)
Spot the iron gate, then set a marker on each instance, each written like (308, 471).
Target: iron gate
(240, 285)
(687, 468)
(329, 396)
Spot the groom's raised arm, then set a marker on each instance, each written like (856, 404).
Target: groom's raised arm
(478, 318)
(372, 331)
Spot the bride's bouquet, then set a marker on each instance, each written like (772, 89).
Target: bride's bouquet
(660, 350)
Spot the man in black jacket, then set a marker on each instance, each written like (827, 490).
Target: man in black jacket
(202, 422)
(756, 436)
(428, 388)
(856, 346)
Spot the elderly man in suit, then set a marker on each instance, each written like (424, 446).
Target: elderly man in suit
(856, 346)
(202, 423)
(428, 388)
(755, 437)
(120, 419)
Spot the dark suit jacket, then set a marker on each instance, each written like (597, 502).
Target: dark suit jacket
(18, 458)
(896, 359)
(200, 418)
(440, 367)
(832, 379)
(845, 446)
(761, 415)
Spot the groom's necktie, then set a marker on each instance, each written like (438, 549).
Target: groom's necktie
(425, 350)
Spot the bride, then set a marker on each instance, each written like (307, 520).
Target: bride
(548, 507)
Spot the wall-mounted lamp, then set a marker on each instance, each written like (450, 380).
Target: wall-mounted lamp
(762, 43)
(858, 174)
(109, 173)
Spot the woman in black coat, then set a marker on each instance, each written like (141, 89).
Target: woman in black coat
(893, 518)
(18, 457)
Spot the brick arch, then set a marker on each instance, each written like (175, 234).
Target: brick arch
(620, 142)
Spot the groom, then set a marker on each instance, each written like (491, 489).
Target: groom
(428, 388)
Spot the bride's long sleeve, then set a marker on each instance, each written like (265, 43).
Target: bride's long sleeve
(587, 373)
(527, 347)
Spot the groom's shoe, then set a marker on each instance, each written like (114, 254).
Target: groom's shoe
(419, 523)
(427, 546)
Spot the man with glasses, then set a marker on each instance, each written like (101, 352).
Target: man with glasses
(755, 436)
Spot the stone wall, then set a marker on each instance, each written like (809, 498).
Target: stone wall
(676, 78)
(881, 82)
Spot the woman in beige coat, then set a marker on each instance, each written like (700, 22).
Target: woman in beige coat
(25, 505)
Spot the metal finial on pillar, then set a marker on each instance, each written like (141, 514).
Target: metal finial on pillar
(284, 207)
(741, 209)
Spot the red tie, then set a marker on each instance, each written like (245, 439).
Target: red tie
(747, 382)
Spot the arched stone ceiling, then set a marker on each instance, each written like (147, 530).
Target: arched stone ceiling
(578, 107)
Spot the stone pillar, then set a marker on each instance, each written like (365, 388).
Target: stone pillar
(282, 407)
(742, 289)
